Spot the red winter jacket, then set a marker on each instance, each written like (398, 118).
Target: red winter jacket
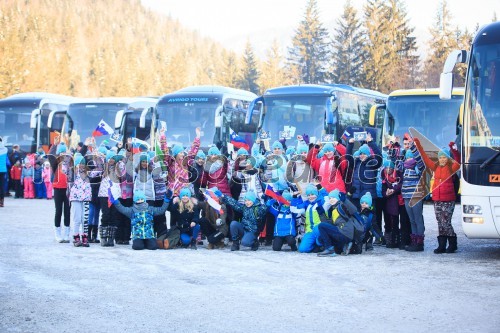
(330, 171)
(442, 189)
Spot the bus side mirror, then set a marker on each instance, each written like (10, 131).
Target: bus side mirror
(119, 118)
(34, 118)
(445, 85)
(218, 116)
(251, 107)
(371, 117)
(142, 119)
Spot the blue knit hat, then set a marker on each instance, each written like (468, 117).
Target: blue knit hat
(176, 149)
(334, 194)
(328, 147)
(242, 151)
(367, 198)
(302, 149)
(409, 154)
(139, 195)
(185, 192)
(290, 151)
(320, 153)
(109, 155)
(356, 154)
(201, 154)
(143, 157)
(151, 155)
(102, 150)
(277, 144)
(61, 148)
(388, 164)
(213, 151)
(444, 152)
(364, 149)
(78, 158)
(311, 190)
(251, 196)
(287, 195)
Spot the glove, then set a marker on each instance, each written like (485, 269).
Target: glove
(169, 195)
(342, 196)
(282, 141)
(218, 222)
(305, 137)
(166, 199)
(218, 193)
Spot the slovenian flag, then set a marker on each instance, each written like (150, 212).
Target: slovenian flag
(212, 200)
(102, 129)
(111, 197)
(270, 193)
(237, 140)
(139, 146)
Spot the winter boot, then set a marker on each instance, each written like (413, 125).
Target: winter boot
(413, 242)
(329, 252)
(369, 244)
(388, 240)
(193, 244)
(419, 244)
(1, 202)
(94, 235)
(76, 240)
(452, 244)
(347, 249)
(111, 235)
(394, 240)
(104, 236)
(66, 235)
(441, 245)
(236, 245)
(57, 232)
(255, 245)
(85, 240)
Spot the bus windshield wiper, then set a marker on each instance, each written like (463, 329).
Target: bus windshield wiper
(489, 160)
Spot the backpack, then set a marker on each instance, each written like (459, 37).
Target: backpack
(169, 239)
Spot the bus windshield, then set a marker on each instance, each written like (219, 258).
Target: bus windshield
(82, 119)
(297, 114)
(483, 103)
(15, 126)
(182, 118)
(436, 119)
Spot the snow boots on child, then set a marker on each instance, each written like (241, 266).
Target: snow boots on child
(441, 245)
(452, 244)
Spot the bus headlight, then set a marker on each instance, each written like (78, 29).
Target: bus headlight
(472, 209)
(477, 220)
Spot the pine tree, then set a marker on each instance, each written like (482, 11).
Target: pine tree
(349, 51)
(230, 69)
(309, 52)
(273, 74)
(444, 40)
(249, 72)
(377, 63)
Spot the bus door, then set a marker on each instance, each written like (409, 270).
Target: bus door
(54, 124)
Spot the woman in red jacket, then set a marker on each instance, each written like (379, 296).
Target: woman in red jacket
(443, 194)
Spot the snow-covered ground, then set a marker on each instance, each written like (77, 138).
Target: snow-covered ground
(51, 287)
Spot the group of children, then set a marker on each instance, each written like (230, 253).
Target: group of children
(31, 177)
(323, 198)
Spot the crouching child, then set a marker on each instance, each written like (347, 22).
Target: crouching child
(285, 227)
(141, 217)
(338, 234)
(253, 212)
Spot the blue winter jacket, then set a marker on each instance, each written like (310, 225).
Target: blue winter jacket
(286, 221)
(251, 215)
(364, 173)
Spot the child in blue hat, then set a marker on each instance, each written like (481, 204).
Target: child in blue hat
(185, 215)
(286, 222)
(141, 216)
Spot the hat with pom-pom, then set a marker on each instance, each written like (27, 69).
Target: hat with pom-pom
(185, 192)
(176, 149)
(139, 196)
(78, 158)
(201, 155)
(367, 199)
(61, 148)
(388, 164)
(251, 196)
(287, 195)
(364, 149)
(143, 157)
(409, 154)
(290, 151)
(311, 190)
(213, 151)
(328, 148)
(321, 153)
(241, 152)
(444, 153)
(102, 150)
(277, 145)
(302, 149)
(151, 155)
(335, 194)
